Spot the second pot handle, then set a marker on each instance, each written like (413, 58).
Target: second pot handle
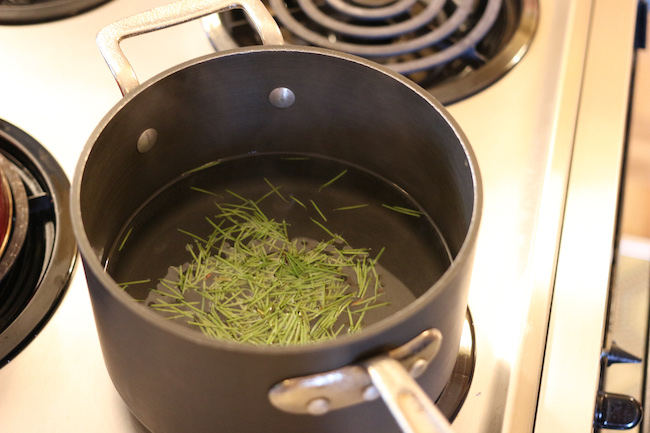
(109, 38)
(389, 375)
(410, 405)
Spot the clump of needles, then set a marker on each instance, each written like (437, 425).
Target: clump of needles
(249, 281)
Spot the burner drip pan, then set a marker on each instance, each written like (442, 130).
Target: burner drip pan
(33, 285)
(35, 11)
(14, 217)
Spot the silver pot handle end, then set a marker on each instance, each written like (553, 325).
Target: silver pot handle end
(109, 38)
(388, 375)
(410, 405)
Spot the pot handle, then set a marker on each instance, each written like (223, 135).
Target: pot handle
(388, 375)
(411, 407)
(109, 38)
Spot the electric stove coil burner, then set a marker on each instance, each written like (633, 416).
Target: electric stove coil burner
(454, 48)
(34, 11)
(416, 19)
(15, 216)
(6, 211)
(41, 244)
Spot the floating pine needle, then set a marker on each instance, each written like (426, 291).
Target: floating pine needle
(275, 190)
(298, 201)
(318, 210)
(325, 229)
(202, 167)
(403, 210)
(249, 281)
(331, 181)
(357, 206)
(234, 194)
(205, 191)
(380, 254)
(126, 236)
(133, 283)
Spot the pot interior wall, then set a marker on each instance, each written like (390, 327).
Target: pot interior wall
(219, 107)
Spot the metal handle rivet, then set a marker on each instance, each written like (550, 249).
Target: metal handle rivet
(318, 406)
(282, 97)
(370, 393)
(147, 140)
(418, 367)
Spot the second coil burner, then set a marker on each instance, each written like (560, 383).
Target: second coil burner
(35, 11)
(39, 250)
(453, 48)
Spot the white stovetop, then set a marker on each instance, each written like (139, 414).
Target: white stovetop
(56, 87)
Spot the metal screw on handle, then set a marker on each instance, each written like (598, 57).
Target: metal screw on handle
(109, 38)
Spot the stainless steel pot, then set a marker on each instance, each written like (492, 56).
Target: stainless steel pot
(268, 99)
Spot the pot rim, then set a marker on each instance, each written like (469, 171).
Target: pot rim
(92, 263)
